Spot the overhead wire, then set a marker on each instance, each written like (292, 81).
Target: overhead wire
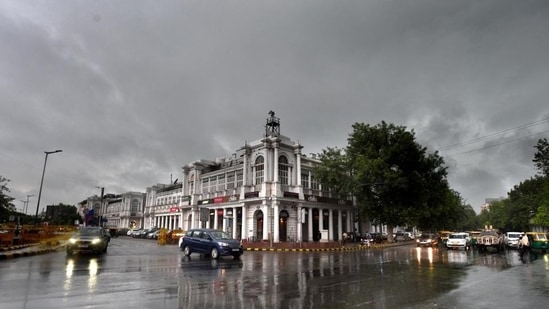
(490, 137)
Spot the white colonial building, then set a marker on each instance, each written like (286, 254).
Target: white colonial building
(115, 210)
(265, 191)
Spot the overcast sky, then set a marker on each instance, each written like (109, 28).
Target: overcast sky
(133, 90)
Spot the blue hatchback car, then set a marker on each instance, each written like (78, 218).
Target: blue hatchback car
(212, 242)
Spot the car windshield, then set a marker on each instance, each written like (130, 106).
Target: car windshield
(513, 235)
(220, 235)
(458, 236)
(89, 232)
(427, 236)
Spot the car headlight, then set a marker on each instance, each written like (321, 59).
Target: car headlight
(223, 244)
(95, 241)
(72, 240)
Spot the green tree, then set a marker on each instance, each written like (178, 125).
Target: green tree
(541, 157)
(394, 179)
(541, 160)
(64, 215)
(523, 204)
(6, 205)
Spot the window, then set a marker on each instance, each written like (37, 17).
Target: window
(135, 206)
(259, 170)
(230, 180)
(205, 185)
(213, 183)
(191, 185)
(305, 180)
(239, 178)
(314, 183)
(221, 182)
(283, 169)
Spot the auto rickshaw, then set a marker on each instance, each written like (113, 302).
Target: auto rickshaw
(538, 241)
(444, 237)
(474, 235)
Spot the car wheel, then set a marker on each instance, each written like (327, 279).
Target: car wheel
(236, 256)
(186, 251)
(214, 253)
(105, 250)
(69, 252)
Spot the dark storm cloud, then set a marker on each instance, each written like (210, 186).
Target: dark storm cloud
(133, 90)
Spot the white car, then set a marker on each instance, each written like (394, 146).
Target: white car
(458, 240)
(512, 239)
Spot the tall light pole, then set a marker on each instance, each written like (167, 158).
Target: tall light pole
(101, 215)
(26, 203)
(42, 181)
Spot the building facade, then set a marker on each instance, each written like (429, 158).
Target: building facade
(265, 191)
(115, 210)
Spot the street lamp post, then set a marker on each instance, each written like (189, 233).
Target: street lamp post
(42, 181)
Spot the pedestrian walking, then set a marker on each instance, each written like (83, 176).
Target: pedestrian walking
(524, 245)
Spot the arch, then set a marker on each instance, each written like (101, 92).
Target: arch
(259, 168)
(283, 225)
(283, 170)
(188, 223)
(258, 225)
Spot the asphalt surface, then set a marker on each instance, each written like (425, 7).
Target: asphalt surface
(18, 251)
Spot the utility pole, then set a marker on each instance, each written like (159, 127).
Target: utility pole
(42, 181)
(26, 204)
(100, 223)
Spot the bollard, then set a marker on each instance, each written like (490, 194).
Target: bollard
(162, 237)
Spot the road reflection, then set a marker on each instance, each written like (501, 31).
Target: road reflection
(82, 266)
(391, 278)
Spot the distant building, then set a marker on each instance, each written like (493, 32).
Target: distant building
(488, 202)
(163, 206)
(115, 210)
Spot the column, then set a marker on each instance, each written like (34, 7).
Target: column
(244, 223)
(321, 220)
(185, 181)
(275, 222)
(351, 220)
(224, 223)
(245, 167)
(298, 165)
(331, 225)
(275, 162)
(339, 224)
(300, 222)
(215, 219)
(310, 224)
(266, 218)
(234, 220)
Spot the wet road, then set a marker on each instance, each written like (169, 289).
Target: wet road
(139, 273)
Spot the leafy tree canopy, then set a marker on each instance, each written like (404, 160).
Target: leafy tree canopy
(541, 157)
(63, 215)
(6, 205)
(394, 179)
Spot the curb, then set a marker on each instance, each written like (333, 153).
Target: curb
(16, 247)
(18, 251)
(11, 255)
(351, 248)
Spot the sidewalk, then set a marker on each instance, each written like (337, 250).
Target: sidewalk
(316, 246)
(52, 246)
(16, 251)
